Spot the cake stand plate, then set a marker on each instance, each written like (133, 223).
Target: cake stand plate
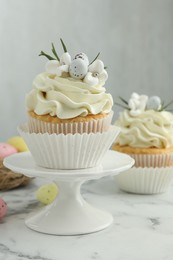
(69, 214)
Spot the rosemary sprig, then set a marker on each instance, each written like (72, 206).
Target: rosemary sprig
(124, 101)
(54, 52)
(63, 45)
(95, 58)
(163, 107)
(124, 105)
(120, 105)
(42, 53)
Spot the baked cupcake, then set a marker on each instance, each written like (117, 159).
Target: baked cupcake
(69, 113)
(147, 136)
(70, 97)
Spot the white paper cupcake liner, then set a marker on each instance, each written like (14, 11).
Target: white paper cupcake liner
(145, 180)
(92, 126)
(69, 151)
(153, 160)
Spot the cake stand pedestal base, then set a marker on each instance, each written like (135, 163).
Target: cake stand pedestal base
(69, 214)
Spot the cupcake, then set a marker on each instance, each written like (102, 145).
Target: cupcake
(69, 97)
(69, 112)
(147, 136)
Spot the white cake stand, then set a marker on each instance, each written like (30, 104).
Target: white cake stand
(69, 214)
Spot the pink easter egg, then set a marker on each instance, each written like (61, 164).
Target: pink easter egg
(6, 150)
(3, 208)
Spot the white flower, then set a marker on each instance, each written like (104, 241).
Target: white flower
(96, 73)
(56, 67)
(137, 104)
(51, 66)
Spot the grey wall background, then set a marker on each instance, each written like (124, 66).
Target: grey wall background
(135, 38)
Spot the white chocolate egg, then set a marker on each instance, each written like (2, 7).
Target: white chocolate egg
(82, 56)
(78, 69)
(153, 103)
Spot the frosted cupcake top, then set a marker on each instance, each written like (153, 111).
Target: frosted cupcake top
(70, 88)
(144, 123)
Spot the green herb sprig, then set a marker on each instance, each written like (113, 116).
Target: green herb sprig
(163, 107)
(56, 57)
(124, 105)
(42, 53)
(54, 52)
(95, 58)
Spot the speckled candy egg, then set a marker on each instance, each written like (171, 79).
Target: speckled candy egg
(3, 208)
(47, 193)
(78, 69)
(82, 56)
(153, 103)
(6, 150)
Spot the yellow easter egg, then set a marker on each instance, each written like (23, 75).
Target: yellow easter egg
(46, 194)
(18, 143)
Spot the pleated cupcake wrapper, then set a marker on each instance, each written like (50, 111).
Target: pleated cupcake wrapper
(153, 160)
(145, 180)
(92, 126)
(68, 151)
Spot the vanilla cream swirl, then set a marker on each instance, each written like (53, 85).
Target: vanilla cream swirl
(67, 97)
(149, 129)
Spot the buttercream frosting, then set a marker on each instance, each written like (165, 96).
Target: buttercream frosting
(148, 129)
(67, 97)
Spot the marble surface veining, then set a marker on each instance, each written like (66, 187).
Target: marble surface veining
(142, 227)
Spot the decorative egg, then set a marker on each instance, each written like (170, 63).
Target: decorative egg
(6, 150)
(3, 208)
(18, 143)
(47, 193)
(82, 56)
(78, 69)
(153, 103)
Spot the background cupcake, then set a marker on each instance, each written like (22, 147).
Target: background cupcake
(69, 113)
(147, 136)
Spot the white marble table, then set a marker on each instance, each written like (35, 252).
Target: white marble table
(142, 228)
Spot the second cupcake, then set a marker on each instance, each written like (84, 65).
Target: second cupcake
(147, 136)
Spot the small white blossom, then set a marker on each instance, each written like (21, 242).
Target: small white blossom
(51, 66)
(137, 104)
(96, 73)
(56, 67)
